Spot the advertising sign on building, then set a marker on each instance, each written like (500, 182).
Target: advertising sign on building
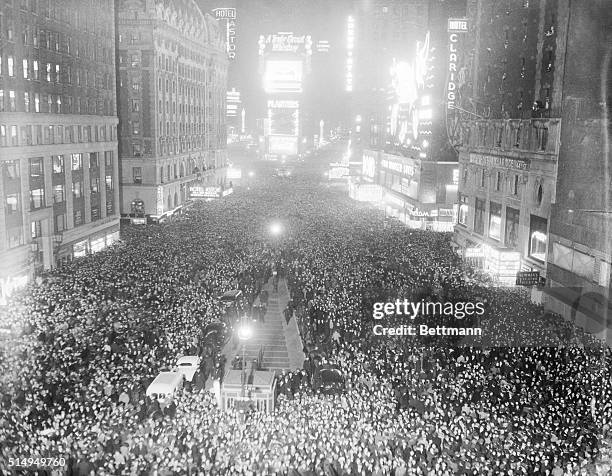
(283, 76)
(229, 15)
(528, 278)
(197, 191)
(283, 145)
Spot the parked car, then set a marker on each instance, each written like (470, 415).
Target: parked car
(188, 365)
(165, 386)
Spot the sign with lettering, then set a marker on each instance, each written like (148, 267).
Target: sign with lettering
(283, 103)
(228, 14)
(499, 161)
(528, 278)
(455, 26)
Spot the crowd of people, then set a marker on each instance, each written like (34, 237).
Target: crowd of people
(90, 336)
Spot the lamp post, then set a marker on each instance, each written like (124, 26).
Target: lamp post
(245, 332)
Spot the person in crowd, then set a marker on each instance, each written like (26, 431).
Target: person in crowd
(530, 396)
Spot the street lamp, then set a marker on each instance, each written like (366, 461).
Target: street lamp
(251, 173)
(276, 229)
(245, 332)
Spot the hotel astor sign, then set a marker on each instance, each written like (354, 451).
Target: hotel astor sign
(498, 161)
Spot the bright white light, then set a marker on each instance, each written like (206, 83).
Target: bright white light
(251, 173)
(358, 118)
(245, 332)
(425, 144)
(425, 101)
(276, 229)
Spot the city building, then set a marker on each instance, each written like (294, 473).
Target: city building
(508, 137)
(58, 134)
(576, 84)
(172, 69)
(399, 108)
(530, 119)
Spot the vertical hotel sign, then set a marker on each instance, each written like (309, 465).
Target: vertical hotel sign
(228, 14)
(456, 26)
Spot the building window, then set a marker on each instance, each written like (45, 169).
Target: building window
(109, 183)
(95, 185)
(538, 237)
(35, 73)
(36, 102)
(15, 237)
(498, 181)
(495, 221)
(60, 223)
(37, 198)
(26, 101)
(77, 161)
(479, 215)
(36, 168)
(93, 160)
(515, 185)
(108, 159)
(512, 227)
(14, 138)
(58, 164)
(11, 66)
(462, 216)
(12, 203)
(78, 217)
(12, 105)
(137, 174)
(59, 194)
(483, 176)
(77, 189)
(26, 69)
(36, 229)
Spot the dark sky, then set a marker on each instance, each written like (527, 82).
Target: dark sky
(322, 19)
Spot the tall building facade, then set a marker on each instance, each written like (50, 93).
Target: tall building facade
(172, 113)
(576, 79)
(58, 134)
(400, 107)
(531, 122)
(508, 136)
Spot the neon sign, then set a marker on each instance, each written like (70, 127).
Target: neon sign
(228, 14)
(455, 26)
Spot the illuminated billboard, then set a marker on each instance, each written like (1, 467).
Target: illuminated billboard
(283, 145)
(284, 121)
(283, 76)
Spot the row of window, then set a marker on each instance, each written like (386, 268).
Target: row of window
(538, 232)
(37, 195)
(55, 73)
(54, 104)
(11, 135)
(80, 18)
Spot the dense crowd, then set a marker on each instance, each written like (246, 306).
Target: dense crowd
(521, 399)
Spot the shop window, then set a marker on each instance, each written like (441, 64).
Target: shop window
(495, 221)
(479, 215)
(538, 237)
(77, 189)
(512, 227)
(463, 212)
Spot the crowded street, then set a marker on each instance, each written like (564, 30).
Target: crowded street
(529, 396)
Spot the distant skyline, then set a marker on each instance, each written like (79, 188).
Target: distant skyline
(322, 19)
